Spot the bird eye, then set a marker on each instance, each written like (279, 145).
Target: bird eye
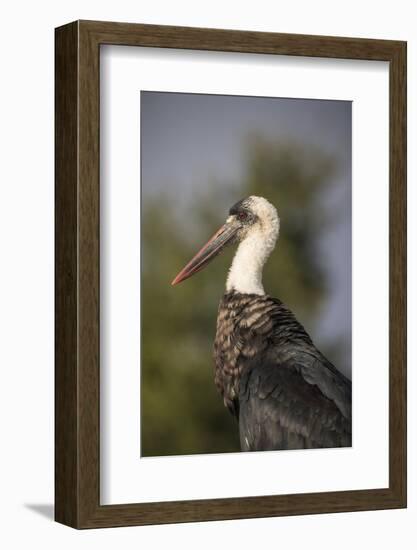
(242, 216)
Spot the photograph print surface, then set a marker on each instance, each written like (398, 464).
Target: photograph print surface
(246, 295)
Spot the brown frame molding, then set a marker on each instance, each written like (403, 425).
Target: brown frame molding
(77, 274)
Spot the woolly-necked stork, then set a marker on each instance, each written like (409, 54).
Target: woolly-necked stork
(283, 391)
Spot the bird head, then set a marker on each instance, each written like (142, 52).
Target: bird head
(253, 220)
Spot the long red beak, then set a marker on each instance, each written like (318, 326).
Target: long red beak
(209, 251)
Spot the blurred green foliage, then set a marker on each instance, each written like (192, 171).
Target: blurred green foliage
(182, 413)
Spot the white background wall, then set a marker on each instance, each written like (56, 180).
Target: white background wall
(26, 272)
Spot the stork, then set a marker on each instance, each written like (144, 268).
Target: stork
(284, 393)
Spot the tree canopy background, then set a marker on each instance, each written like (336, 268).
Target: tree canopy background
(181, 411)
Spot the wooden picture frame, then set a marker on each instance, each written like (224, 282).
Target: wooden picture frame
(77, 404)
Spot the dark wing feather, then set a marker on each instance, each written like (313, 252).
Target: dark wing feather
(280, 409)
(284, 392)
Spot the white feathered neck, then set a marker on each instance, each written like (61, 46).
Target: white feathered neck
(245, 274)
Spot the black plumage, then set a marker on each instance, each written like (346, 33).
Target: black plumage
(283, 391)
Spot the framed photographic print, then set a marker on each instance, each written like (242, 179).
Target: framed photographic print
(230, 274)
